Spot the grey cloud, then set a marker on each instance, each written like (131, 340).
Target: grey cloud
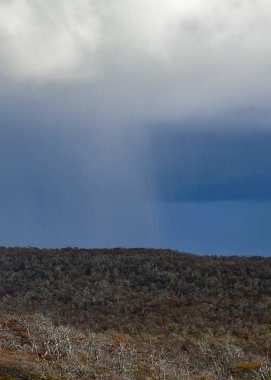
(169, 60)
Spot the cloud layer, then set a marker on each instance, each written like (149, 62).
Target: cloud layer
(121, 120)
(169, 59)
(44, 42)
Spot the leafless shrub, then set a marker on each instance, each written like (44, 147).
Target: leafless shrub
(65, 352)
(47, 340)
(219, 360)
(264, 371)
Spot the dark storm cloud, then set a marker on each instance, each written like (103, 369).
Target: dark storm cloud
(205, 166)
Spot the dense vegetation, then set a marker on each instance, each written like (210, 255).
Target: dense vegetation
(133, 314)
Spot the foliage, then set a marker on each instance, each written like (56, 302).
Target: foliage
(133, 314)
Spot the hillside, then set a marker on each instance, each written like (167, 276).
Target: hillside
(133, 314)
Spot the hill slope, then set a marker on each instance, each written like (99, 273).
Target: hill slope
(187, 310)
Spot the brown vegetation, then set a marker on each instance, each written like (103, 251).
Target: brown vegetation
(133, 314)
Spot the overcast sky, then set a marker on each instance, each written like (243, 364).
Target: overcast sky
(136, 123)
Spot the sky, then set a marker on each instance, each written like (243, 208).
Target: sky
(136, 124)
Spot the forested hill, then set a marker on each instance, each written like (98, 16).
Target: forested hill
(151, 293)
